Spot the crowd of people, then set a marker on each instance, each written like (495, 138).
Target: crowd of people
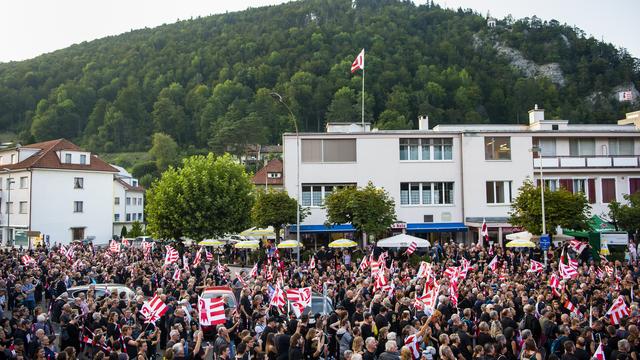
(490, 304)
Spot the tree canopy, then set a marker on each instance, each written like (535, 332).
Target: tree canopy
(206, 81)
(206, 197)
(275, 208)
(626, 216)
(369, 209)
(562, 208)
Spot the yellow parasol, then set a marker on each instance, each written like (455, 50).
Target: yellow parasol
(342, 243)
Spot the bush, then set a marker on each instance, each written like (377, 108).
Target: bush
(145, 168)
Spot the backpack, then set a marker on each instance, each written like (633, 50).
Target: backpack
(556, 346)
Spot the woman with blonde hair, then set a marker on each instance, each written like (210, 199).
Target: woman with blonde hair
(357, 345)
(406, 354)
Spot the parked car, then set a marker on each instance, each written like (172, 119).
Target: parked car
(100, 290)
(317, 305)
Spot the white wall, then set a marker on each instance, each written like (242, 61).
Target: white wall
(378, 161)
(477, 171)
(19, 221)
(53, 197)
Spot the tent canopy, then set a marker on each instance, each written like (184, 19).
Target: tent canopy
(402, 241)
(522, 235)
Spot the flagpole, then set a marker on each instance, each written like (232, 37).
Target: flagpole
(363, 128)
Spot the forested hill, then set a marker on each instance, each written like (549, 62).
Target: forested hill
(207, 81)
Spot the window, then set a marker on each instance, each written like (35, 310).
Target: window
(24, 182)
(23, 207)
(547, 147)
(497, 148)
(67, 158)
(551, 184)
(499, 192)
(409, 149)
(116, 217)
(579, 186)
(139, 216)
(314, 195)
(426, 149)
(328, 150)
(608, 190)
(620, 146)
(77, 206)
(9, 207)
(634, 185)
(9, 183)
(78, 183)
(128, 217)
(13, 158)
(582, 147)
(134, 183)
(128, 200)
(83, 159)
(274, 175)
(116, 200)
(77, 233)
(426, 193)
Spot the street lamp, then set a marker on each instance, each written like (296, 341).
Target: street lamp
(9, 183)
(279, 98)
(538, 150)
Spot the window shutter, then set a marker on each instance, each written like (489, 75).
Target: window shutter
(592, 191)
(634, 185)
(566, 184)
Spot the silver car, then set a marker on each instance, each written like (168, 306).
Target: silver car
(100, 290)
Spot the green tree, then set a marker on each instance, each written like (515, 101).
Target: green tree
(164, 151)
(562, 208)
(369, 209)
(136, 230)
(392, 120)
(343, 106)
(207, 197)
(123, 232)
(628, 214)
(275, 208)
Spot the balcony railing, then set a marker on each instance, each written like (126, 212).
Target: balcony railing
(587, 162)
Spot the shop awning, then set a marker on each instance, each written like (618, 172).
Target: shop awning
(322, 228)
(436, 227)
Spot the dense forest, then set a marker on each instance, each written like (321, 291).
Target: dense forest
(208, 82)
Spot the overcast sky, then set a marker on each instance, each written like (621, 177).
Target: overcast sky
(31, 27)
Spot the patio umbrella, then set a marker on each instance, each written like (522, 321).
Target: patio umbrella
(520, 244)
(248, 244)
(289, 244)
(402, 241)
(211, 242)
(258, 232)
(522, 235)
(343, 243)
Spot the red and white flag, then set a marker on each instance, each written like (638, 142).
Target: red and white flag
(608, 270)
(618, 310)
(125, 242)
(312, 263)
(364, 264)
(554, 283)
(493, 265)
(269, 274)
(185, 262)
(146, 249)
(375, 267)
(572, 308)
(220, 269)
(70, 253)
(300, 295)
(153, 309)
(254, 271)
(572, 262)
(277, 298)
(176, 274)
(358, 63)
(198, 258)
(452, 273)
(622, 95)
(577, 246)
(113, 246)
(566, 271)
(424, 270)
(211, 311)
(536, 267)
(484, 230)
(208, 255)
(599, 354)
(413, 343)
(171, 256)
(28, 260)
(241, 279)
(412, 248)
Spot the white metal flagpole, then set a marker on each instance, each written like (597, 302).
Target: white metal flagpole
(363, 129)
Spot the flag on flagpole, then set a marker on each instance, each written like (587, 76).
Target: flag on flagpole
(577, 246)
(153, 309)
(254, 271)
(211, 311)
(27, 260)
(618, 310)
(358, 63)
(312, 263)
(572, 308)
(484, 231)
(536, 267)
(171, 256)
(599, 354)
(493, 265)
(176, 274)
(113, 247)
(300, 295)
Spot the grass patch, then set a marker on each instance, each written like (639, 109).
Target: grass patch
(125, 159)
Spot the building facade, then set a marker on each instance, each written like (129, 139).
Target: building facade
(128, 201)
(447, 180)
(55, 189)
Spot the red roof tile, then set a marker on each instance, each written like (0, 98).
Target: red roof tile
(129, 187)
(273, 166)
(47, 158)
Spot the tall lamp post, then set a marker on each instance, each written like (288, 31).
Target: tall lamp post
(9, 183)
(538, 150)
(279, 98)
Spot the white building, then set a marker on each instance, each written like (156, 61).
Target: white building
(448, 179)
(128, 201)
(57, 189)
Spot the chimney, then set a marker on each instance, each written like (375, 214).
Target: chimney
(423, 122)
(536, 115)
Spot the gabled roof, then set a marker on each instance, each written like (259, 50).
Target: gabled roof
(129, 187)
(273, 166)
(47, 158)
